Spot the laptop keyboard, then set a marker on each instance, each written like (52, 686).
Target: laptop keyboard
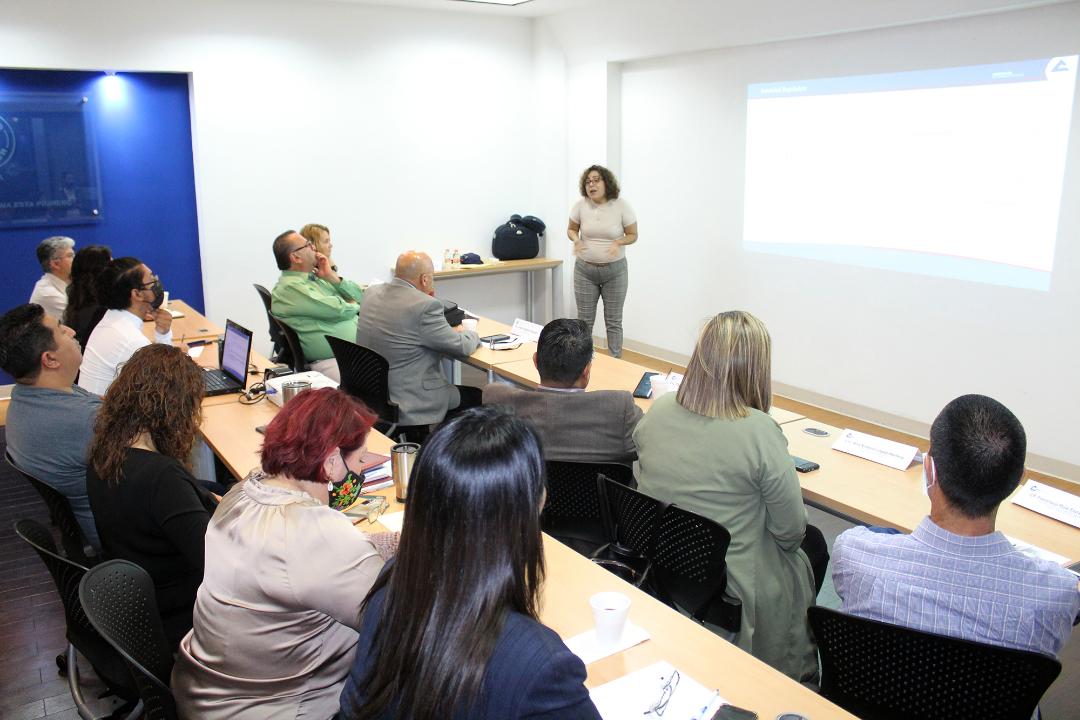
(215, 381)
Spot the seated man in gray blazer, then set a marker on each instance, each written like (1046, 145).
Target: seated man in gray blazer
(403, 322)
(574, 425)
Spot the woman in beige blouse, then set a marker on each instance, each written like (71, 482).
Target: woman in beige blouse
(601, 225)
(276, 619)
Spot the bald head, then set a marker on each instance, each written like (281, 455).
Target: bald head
(416, 269)
(411, 265)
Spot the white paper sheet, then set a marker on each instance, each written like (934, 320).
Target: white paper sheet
(633, 695)
(1049, 501)
(393, 521)
(586, 648)
(879, 450)
(1037, 552)
(194, 352)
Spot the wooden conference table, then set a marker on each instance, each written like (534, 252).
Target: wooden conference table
(845, 484)
(192, 326)
(880, 495)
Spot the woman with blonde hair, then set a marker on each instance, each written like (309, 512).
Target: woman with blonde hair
(148, 507)
(319, 236)
(713, 448)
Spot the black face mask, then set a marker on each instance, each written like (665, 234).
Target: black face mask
(159, 294)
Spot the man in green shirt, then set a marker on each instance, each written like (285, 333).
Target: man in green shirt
(313, 300)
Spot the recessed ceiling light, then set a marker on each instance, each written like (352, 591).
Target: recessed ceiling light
(495, 2)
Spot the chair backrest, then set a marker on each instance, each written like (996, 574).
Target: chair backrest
(280, 353)
(292, 341)
(877, 670)
(630, 518)
(119, 600)
(71, 535)
(67, 575)
(572, 510)
(365, 374)
(689, 566)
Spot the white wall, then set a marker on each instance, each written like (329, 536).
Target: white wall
(397, 128)
(887, 346)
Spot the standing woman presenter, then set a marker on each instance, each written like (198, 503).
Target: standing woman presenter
(600, 225)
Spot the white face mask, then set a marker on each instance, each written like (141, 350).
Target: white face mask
(926, 483)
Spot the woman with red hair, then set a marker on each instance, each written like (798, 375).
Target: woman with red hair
(276, 619)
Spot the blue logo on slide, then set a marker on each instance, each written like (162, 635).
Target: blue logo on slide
(1060, 67)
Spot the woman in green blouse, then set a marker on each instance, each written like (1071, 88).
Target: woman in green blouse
(713, 448)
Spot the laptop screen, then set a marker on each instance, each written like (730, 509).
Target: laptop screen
(236, 351)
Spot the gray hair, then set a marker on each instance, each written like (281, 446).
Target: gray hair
(48, 248)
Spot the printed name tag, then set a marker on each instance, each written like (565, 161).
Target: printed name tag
(879, 450)
(1049, 501)
(527, 331)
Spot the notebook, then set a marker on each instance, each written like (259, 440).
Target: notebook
(235, 355)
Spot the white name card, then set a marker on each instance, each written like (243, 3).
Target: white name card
(527, 331)
(879, 450)
(1049, 501)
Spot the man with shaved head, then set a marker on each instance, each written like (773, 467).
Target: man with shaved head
(312, 299)
(403, 322)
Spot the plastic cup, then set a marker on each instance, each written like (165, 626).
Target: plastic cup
(470, 323)
(610, 610)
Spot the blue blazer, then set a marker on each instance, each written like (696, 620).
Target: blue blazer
(531, 674)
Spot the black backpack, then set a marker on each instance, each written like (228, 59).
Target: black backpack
(518, 239)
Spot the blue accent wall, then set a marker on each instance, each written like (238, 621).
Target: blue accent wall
(142, 124)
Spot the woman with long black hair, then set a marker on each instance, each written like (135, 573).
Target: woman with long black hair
(450, 630)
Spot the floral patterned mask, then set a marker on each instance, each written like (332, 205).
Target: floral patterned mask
(344, 493)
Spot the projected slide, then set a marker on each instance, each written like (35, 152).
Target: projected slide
(954, 172)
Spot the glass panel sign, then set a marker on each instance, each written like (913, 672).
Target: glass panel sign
(48, 161)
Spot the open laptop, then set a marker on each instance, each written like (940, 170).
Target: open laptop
(235, 356)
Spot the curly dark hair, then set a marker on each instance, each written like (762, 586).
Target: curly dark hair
(159, 391)
(611, 185)
(83, 290)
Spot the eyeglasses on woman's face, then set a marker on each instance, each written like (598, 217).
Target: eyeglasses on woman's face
(594, 180)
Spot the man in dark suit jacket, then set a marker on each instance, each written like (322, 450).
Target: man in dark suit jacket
(403, 322)
(574, 425)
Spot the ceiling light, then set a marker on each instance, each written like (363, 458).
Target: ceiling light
(495, 2)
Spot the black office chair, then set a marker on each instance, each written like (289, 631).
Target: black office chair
(630, 521)
(76, 547)
(81, 636)
(119, 600)
(280, 352)
(365, 374)
(689, 568)
(889, 672)
(572, 510)
(292, 341)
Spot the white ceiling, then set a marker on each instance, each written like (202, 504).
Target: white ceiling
(534, 8)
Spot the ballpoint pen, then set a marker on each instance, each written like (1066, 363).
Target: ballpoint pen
(705, 710)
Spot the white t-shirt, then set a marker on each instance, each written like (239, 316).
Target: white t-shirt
(600, 225)
(115, 339)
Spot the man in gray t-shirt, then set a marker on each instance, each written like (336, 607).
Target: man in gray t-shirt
(50, 421)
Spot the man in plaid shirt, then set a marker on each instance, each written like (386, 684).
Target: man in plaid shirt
(955, 575)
